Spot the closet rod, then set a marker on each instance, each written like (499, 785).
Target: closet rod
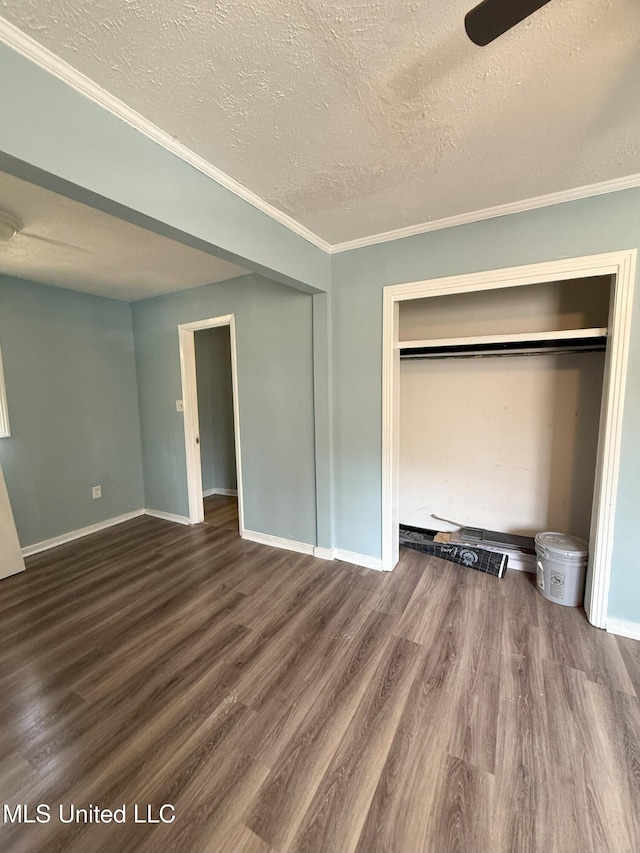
(506, 348)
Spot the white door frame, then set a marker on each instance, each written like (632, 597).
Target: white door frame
(620, 265)
(186, 337)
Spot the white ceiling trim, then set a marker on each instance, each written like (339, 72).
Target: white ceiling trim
(42, 56)
(559, 197)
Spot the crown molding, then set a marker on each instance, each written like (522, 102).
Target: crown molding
(560, 197)
(43, 57)
(26, 46)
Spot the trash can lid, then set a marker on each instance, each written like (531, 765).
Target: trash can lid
(563, 543)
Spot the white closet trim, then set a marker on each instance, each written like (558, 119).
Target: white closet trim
(5, 432)
(621, 266)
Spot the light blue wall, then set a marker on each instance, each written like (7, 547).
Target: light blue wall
(215, 408)
(69, 367)
(51, 127)
(99, 159)
(590, 226)
(275, 378)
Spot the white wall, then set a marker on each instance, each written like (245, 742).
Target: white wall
(582, 303)
(504, 443)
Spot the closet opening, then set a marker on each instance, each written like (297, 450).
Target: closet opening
(502, 402)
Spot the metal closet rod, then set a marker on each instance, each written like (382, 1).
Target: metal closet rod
(508, 348)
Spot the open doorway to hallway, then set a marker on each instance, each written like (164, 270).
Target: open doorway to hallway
(214, 382)
(212, 419)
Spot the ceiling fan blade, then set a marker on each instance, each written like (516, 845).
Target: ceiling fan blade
(492, 18)
(53, 242)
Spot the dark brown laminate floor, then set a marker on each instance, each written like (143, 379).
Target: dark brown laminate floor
(221, 511)
(282, 703)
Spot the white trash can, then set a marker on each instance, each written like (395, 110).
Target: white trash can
(562, 566)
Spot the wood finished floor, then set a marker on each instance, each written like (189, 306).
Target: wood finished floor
(221, 511)
(282, 703)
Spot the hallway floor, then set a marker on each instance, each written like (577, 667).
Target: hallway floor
(221, 511)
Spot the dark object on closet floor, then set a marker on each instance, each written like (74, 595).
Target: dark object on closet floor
(489, 538)
(474, 535)
(420, 534)
(473, 558)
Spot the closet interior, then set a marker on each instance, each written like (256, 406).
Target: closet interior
(500, 400)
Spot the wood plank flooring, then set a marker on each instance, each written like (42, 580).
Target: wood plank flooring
(282, 703)
(221, 511)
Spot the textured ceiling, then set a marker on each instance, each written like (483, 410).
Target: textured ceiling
(357, 118)
(71, 245)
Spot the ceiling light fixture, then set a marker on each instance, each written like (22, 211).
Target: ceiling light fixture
(9, 226)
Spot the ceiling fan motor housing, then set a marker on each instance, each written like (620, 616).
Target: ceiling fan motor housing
(492, 18)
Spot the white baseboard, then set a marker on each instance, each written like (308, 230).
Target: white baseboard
(252, 535)
(358, 559)
(278, 542)
(231, 493)
(78, 534)
(515, 564)
(348, 557)
(167, 516)
(323, 553)
(624, 629)
(314, 550)
(206, 493)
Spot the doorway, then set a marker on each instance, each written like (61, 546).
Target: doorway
(216, 422)
(621, 267)
(208, 363)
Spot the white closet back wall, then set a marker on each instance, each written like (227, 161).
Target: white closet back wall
(507, 443)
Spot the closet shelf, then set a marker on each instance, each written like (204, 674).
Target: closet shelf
(525, 343)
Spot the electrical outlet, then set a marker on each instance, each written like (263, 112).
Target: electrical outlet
(96, 492)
